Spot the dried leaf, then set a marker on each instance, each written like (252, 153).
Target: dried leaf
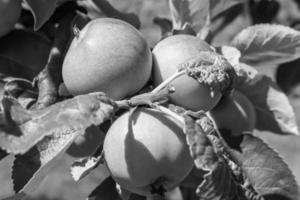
(267, 44)
(81, 168)
(77, 114)
(265, 169)
(41, 11)
(32, 167)
(212, 69)
(273, 111)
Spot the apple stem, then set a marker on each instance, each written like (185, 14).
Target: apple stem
(171, 113)
(168, 81)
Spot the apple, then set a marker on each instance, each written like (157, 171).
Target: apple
(107, 55)
(146, 148)
(168, 54)
(235, 114)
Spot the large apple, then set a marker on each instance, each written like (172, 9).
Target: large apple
(147, 149)
(107, 55)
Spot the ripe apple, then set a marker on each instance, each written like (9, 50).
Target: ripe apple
(235, 114)
(171, 52)
(107, 55)
(10, 12)
(147, 148)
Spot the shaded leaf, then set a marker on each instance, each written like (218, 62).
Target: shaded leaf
(78, 113)
(265, 169)
(218, 184)
(200, 147)
(3, 154)
(23, 53)
(267, 44)
(105, 191)
(219, 6)
(32, 167)
(273, 111)
(41, 11)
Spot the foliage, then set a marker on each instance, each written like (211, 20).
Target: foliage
(38, 124)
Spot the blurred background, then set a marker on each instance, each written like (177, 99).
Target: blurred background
(59, 184)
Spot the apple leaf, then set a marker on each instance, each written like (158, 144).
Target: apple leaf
(201, 149)
(267, 44)
(265, 169)
(32, 167)
(218, 184)
(198, 13)
(219, 6)
(21, 129)
(232, 54)
(41, 11)
(193, 12)
(212, 69)
(23, 53)
(105, 191)
(82, 167)
(273, 110)
(3, 154)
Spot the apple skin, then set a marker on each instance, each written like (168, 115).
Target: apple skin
(144, 148)
(235, 114)
(10, 12)
(108, 55)
(171, 52)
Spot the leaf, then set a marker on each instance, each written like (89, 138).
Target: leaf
(267, 44)
(198, 13)
(41, 11)
(219, 6)
(105, 191)
(212, 69)
(218, 184)
(23, 53)
(18, 133)
(232, 54)
(265, 169)
(82, 167)
(273, 111)
(3, 154)
(200, 147)
(32, 167)
(193, 12)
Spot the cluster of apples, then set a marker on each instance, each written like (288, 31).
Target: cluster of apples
(145, 149)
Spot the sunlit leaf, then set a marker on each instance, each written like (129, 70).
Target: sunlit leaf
(21, 129)
(32, 167)
(267, 44)
(273, 110)
(41, 11)
(265, 169)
